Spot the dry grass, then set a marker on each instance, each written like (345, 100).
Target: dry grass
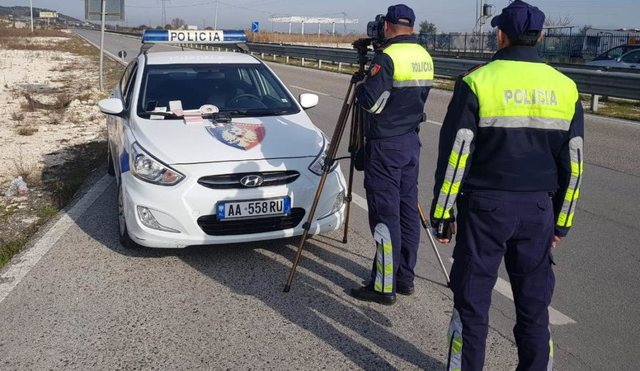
(612, 107)
(26, 131)
(25, 32)
(17, 116)
(21, 45)
(58, 183)
(61, 103)
(28, 171)
(55, 120)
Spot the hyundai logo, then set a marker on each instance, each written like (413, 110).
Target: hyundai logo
(252, 181)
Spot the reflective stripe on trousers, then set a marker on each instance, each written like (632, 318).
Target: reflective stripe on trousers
(384, 260)
(454, 339)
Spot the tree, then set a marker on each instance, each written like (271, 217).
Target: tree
(428, 27)
(177, 22)
(168, 27)
(584, 29)
(554, 25)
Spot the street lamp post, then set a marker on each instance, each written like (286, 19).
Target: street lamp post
(215, 20)
(31, 7)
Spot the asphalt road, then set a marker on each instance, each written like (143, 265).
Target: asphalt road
(89, 303)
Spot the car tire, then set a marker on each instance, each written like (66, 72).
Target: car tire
(125, 240)
(111, 170)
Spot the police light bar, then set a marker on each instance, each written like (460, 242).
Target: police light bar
(193, 37)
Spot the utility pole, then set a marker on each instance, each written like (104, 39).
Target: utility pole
(164, 12)
(215, 20)
(344, 22)
(103, 11)
(482, 15)
(31, 6)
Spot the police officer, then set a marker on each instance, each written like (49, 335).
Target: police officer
(511, 147)
(394, 93)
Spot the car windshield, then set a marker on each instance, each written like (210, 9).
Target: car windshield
(614, 53)
(240, 89)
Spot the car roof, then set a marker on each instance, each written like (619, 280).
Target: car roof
(200, 57)
(628, 46)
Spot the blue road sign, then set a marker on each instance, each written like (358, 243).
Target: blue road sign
(255, 27)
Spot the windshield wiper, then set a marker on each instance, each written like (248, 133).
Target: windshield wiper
(258, 112)
(159, 113)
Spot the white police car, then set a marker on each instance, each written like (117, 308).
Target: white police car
(211, 148)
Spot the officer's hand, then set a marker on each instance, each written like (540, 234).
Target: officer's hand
(444, 232)
(555, 241)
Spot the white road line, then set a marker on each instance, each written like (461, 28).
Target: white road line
(360, 201)
(555, 317)
(20, 266)
(310, 91)
(502, 287)
(109, 54)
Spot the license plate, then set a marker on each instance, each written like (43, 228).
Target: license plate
(253, 209)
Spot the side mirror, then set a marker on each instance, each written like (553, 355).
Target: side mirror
(111, 106)
(619, 59)
(308, 100)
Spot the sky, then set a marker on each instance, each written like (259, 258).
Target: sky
(447, 15)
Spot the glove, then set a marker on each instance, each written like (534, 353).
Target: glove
(357, 77)
(445, 229)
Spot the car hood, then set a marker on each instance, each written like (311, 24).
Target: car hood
(175, 142)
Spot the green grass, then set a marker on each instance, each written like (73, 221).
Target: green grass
(9, 249)
(6, 214)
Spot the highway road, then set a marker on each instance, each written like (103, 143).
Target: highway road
(84, 302)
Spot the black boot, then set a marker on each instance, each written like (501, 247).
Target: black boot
(367, 294)
(405, 290)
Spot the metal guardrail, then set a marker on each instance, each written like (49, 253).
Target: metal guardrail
(590, 80)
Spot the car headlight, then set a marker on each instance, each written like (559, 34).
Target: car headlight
(145, 167)
(318, 163)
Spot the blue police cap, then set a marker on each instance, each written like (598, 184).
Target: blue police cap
(519, 19)
(397, 14)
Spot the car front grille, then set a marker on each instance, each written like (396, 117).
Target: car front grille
(231, 181)
(214, 227)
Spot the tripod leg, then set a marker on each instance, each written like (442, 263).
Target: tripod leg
(349, 199)
(354, 146)
(425, 225)
(307, 226)
(331, 156)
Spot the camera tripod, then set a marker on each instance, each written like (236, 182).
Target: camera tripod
(356, 141)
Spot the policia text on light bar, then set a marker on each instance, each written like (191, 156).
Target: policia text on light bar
(194, 36)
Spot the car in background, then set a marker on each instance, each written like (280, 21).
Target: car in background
(211, 148)
(624, 56)
(630, 60)
(615, 53)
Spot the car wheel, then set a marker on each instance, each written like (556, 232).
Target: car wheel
(111, 170)
(125, 239)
